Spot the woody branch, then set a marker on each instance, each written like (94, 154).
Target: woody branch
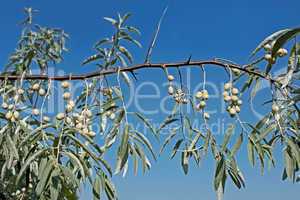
(213, 62)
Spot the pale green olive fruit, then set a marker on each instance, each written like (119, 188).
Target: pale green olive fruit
(275, 108)
(4, 105)
(268, 47)
(206, 115)
(239, 102)
(91, 134)
(67, 95)
(199, 95)
(225, 93)
(237, 109)
(234, 91)
(234, 98)
(170, 90)
(282, 52)
(171, 77)
(232, 111)
(227, 86)
(46, 119)
(65, 84)
(60, 116)
(112, 116)
(227, 98)
(202, 104)
(16, 115)
(35, 86)
(20, 91)
(42, 92)
(35, 111)
(9, 115)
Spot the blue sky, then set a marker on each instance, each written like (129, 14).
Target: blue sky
(206, 29)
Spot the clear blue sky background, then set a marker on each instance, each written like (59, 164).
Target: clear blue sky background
(206, 29)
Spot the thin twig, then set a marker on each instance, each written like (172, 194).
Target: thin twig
(149, 52)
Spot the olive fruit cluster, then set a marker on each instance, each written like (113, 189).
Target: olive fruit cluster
(82, 122)
(111, 114)
(10, 103)
(12, 95)
(12, 115)
(22, 191)
(178, 94)
(107, 91)
(67, 97)
(231, 97)
(36, 112)
(39, 90)
(171, 89)
(18, 94)
(36, 87)
(268, 56)
(202, 96)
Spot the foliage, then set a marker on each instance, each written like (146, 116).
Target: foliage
(37, 45)
(46, 156)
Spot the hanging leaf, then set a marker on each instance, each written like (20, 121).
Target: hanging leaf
(147, 123)
(76, 162)
(126, 53)
(228, 134)
(250, 148)
(289, 164)
(255, 88)
(133, 29)
(269, 39)
(220, 173)
(237, 145)
(44, 178)
(111, 20)
(294, 148)
(194, 142)
(29, 161)
(264, 133)
(207, 142)
(97, 187)
(185, 161)
(168, 139)
(176, 147)
(283, 38)
(146, 142)
(92, 58)
(68, 173)
(126, 78)
(12, 147)
(146, 163)
(103, 41)
(110, 190)
(123, 150)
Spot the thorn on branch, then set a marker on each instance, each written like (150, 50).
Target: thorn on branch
(189, 60)
(134, 74)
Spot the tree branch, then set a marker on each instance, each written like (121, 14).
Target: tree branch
(141, 66)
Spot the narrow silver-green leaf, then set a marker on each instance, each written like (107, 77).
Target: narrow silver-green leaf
(227, 137)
